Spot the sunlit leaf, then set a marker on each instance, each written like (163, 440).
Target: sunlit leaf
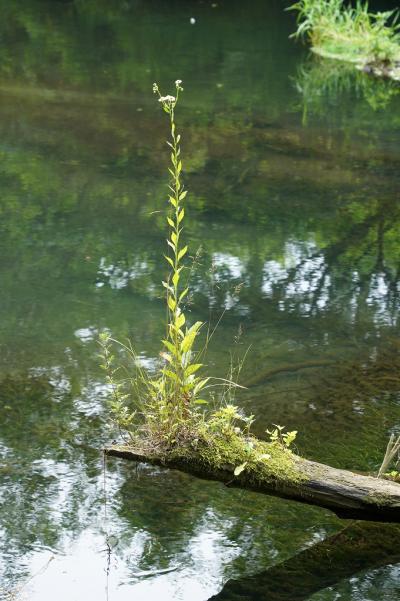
(200, 385)
(182, 253)
(171, 303)
(191, 369)
(239, 469)
(170, 261)
(180, 321)
(190, 336)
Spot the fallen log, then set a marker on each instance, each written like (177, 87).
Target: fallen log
(357, 547)
(349, 495)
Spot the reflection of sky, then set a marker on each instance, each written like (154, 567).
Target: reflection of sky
(82, 574)
(78, 569)
(305, 281)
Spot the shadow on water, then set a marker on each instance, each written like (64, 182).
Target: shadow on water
(355, 548)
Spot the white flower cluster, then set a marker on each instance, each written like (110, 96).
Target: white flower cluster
(169, 99)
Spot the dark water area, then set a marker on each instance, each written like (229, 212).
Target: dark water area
(293, 215)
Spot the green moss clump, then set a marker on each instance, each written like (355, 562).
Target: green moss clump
(246, 457)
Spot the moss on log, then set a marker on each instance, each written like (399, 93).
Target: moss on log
(347, 494)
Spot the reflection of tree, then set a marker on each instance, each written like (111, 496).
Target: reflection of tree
(337, 261)
(357, 547)
(118, 48)
(322, 81)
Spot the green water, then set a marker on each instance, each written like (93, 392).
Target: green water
(293, 171)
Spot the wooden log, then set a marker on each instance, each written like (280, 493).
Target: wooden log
(347, 494)
(359, 546)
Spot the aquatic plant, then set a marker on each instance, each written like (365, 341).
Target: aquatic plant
(162, 411)
(348, 33)
(168, 403)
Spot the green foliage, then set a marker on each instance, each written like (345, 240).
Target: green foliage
(168, 418)
(178, 384)
(167, 401)
(241, 454)
(392, 475)
(347, 33)
(226, 420)
(117, 402)
(279, 437)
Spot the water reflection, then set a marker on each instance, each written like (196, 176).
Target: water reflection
(293, 228)
(357, 547)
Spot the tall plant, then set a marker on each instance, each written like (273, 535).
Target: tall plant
(167, 401)
(179, 385)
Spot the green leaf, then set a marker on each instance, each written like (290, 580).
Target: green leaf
(200, 402)
(172, 200)
(170, 261)
(190, 336)
(180, 321)
(200, 385)
(183, 294)
(239, 469)
(170, 347)
(181, 215)
(182, 253)
(191, 369)
(174, 238)
(170, 222)
(183, 195)
(175, 278)
(170, 374)
(171, 303)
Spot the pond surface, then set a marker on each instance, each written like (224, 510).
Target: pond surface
(293, 168)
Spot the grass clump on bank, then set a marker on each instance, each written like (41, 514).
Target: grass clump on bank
(370, 40)
(165, 412)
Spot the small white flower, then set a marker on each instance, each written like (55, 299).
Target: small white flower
(168, 99)
(178, 82)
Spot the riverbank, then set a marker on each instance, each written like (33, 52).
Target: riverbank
(370, 41)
